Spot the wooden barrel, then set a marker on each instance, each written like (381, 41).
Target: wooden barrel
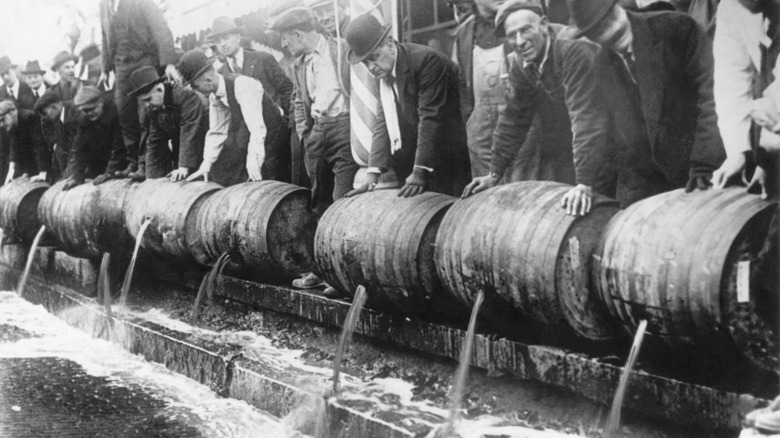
(531, 259)
(683, 261)
(173, 210)
(384, 243)
(267, 226)
(88, 220)
(19, 209)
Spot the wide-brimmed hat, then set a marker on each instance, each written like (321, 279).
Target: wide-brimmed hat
(513, 6)
(364, 34)
(87, 95)
(193, 64)
(90, 52)
(292, 18)
(33, 67)
(143, 79)
(6, 64)
(62, 58)
(588, 14)
(224, 26)
(49, 97)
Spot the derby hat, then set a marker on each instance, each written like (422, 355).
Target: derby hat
(588, 14)
(143, 79)
(511, 6)
(33, 67)
(87, 95)
(193, 64)
(6, 64)
(292, 18)
(364, 34)
(224, 26)
(62, 58)
(50, 97)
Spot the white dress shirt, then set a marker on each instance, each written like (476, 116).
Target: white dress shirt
(14, 90)
(238, 59)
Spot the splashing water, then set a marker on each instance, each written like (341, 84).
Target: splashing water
(104, 288)
(613, 424)
(2, 237)
(208, 284)
(346, 333)
(129, 273)
(30, 258)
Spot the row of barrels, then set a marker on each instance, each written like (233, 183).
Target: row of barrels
(681, 261)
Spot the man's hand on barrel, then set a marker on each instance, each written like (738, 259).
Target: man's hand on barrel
(481, 183)
(253, 170)
(71, 182)
(758, 182)
(733, 166)
(179, 174)
(39, 177)
(100, 179)
(698, 179)
(578, 200)
(371, 181)
(199, 173)
(416, 183)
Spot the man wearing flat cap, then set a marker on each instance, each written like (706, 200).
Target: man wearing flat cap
(33, 77)
(65, 66)
(135, 34)
(277, 86)
(419, 132)
(172, 114)
(553, 113)
(329, 18)
(14, 89)
(98, 151)
(235, 146)
(59, 122)
(21, 138)
(656, 76)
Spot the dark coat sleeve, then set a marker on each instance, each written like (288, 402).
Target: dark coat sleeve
(107, 51)
(437, 83)
(281, 83)
(160, 33)
(515, 123)
(380, 142)
(118, 158)
(42, 155)
(192, 131)
(77, 164)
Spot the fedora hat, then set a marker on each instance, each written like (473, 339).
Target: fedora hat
(588, 14)
(90, 52)
(224, 26)
(363, 35)
(33, 67)
(193, 64)
(62, 58)
(512, 6)
(143, 79)
(6, 64)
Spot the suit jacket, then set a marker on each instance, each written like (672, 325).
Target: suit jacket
(136, 34)
(673, 72)
(66, 90)
(59, 136)
(99, 147)
(26, 147)
(302, 98)
(25, 100)
(264, 67)
(432, 131)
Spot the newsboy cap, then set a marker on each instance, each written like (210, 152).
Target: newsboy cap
(6, 107)
(87, 95)
(193, 64)
(513, 6)
(364, 34)
(49, 97)
(62, 58)
(223, 26)
(292, 18)
(143, 79)
(588, 14)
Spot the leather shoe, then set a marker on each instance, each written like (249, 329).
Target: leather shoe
(308, 281)
(138, 175)
(125, 173)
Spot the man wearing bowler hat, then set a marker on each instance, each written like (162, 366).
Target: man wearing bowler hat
(33, 76)
(14, 89)
(98, 150)
(172, 113)
(235, 147)
(21, 139)
(657, 82)
(58, 126)
(419, 131)
(65, 66)
(277, 86)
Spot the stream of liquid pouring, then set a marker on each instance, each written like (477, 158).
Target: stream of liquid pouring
(30, 258)
(129, 273)
(353, 315)
(613, 424)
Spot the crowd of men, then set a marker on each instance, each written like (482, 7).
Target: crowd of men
(606, 96)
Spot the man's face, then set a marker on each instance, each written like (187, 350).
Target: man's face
(293, 42)
(228, 44)
(53, 111)
(93, 111)
(207, 83)
(614, 32)
(327, 18)
(381, 62)
(488, 8)
(67, 70)
(9, 77)
(34, 80)
(9, 120)
(154, 98)
(527, 33)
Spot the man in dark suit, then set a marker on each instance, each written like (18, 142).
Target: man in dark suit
(419, 132)
(33, 76)
(657, 81)
(135, 34)
(65, 66)
(278, 87)
(59, 121)
(21, 137)
(14, 89)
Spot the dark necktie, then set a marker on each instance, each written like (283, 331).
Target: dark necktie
(532, 72)
(391, 82)
(35, 93)
(234, 65)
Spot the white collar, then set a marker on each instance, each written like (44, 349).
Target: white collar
(14, 90)
(239, 57)
(221, 92)
(62, 114)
